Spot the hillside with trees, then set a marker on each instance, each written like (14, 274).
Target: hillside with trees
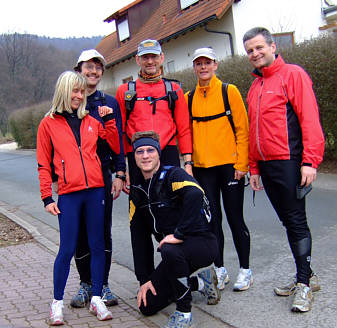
(29, 67)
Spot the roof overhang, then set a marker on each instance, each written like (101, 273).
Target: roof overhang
(167, 38)
(121, 12)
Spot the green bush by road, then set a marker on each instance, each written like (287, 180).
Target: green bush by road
(318, 57)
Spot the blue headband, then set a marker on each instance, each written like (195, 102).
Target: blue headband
(147, 141)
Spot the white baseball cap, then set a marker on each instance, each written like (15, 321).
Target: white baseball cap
(204, 52)
(90, 54)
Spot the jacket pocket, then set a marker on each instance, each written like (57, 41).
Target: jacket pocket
(64, 172)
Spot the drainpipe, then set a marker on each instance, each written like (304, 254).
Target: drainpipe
(226, 33)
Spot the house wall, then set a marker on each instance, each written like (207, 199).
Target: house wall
(303, 17)
(300, 16)
(179, 50)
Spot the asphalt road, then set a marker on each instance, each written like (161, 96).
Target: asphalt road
(271, 260)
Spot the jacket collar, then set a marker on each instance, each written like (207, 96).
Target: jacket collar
(270, 70)
(211, 84)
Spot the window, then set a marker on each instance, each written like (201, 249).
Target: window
(171, 67)
(127, 79)
(123, 30)
(186, 3)
(284, 40)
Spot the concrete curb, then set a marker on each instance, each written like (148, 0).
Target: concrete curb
(122, 280)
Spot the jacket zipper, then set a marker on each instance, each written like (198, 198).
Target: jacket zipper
(257, 122)
(85, 173)
(64, 172)
(149, 205)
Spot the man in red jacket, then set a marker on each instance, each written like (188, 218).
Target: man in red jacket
(147, 104)
(286, 145)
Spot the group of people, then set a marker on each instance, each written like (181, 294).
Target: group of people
(87, 135)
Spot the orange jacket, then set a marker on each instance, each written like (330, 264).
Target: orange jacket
(143, 119)
(77, 166)
(213, 141)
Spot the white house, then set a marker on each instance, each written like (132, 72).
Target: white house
(181, 26)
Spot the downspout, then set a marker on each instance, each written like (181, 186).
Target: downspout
(226, 33)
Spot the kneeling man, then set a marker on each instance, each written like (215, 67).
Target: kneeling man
(170, 205)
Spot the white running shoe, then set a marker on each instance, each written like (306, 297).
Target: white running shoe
(98, 308)
(244, 280)
(223, 277)
(56, 313)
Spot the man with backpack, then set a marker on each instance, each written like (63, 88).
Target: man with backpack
(154, 103)
(220, 156)
(169, 204)
(91, 64)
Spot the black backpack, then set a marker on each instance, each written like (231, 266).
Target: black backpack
(131, 97)
(161, 194)
(227, 111)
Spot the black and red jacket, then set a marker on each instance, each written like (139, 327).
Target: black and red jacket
(73, 156)
(283, 117)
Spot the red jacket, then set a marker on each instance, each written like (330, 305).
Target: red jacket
(143, 119)
(77, 167)
(283, 117)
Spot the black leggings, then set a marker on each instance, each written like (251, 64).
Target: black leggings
(280, 179)
(220, 179)
(82, 255)
(171, 279)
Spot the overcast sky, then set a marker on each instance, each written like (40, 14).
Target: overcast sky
(60, 18)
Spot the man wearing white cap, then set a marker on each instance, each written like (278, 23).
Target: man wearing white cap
(148, 104)
(220, 156)
(91, 64)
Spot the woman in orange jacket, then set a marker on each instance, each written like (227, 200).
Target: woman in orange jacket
(66, 144)
(220, 158)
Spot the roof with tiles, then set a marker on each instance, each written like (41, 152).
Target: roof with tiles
(166, 22)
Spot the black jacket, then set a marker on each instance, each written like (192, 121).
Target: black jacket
(171, 202)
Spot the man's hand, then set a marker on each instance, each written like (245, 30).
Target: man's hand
(188, 169)
(117, 186)
(104, 110)
(52, 209)
(255, 183)
(238, 175)
(170, 239)
(308, 174)
(126, 186)
(141, 297)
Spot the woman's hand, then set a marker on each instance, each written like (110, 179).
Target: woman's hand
(52, 209)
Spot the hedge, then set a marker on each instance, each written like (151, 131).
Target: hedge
(317, 56)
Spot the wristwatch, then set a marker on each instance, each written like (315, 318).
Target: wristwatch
(120, 176)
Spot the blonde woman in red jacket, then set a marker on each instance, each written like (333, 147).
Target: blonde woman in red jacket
(66, 144)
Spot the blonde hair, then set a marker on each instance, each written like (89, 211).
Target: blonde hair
(65, 84)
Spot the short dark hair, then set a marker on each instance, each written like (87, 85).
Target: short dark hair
(252, 33)
(145, 134)
(78, 68)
